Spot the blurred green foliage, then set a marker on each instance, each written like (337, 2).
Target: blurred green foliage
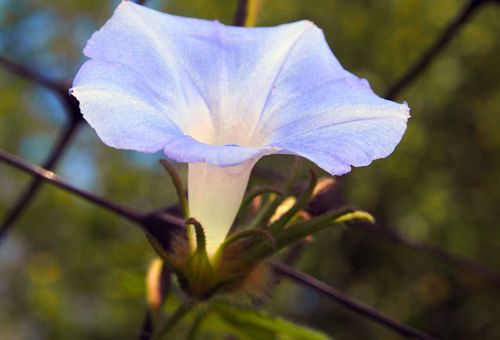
(71, 270)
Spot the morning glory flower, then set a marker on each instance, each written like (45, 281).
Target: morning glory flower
(220, 97)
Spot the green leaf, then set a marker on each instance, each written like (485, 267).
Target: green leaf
(251, 324)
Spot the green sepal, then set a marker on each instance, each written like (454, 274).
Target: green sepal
(246, 205)
(356, 215)
(259, 232)
(201, 242)
(179, 187)
(199, 272)
(246, 233)
(259, 192)
(266, 211)
(299, 231)
(301, 203)
(199, 275)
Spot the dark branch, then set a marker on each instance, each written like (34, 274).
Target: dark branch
(28, 194)
(427, 57)
(75, 120)
(147, 328)
(49, 177)
(241, 13)
(464, 265)
(159, 227)
(349, 302)
(331, 198)
(26, 73)
(60, 87)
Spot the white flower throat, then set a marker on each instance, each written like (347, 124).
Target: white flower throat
(215, 195)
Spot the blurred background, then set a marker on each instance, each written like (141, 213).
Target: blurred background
(71, 270)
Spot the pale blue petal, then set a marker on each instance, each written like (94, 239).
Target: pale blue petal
(318, 110)
(356, 143)
(192, 87)
(125, 114)
(128, 115)
(217, 77)
(338, 125)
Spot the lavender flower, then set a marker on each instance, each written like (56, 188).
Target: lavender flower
(221, 97)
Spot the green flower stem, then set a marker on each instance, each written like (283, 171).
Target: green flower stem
(174, 320)
(197, 322)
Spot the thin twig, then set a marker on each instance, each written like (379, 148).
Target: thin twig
(241, 13)
(158, 226)
(50, 177)
(26, 197)
(464, 265)
(26, 73)
(147, 328)
(175, 318)
(395, 90)
(322, 204)
(349, 302)
(75, 119)
(429, 55)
